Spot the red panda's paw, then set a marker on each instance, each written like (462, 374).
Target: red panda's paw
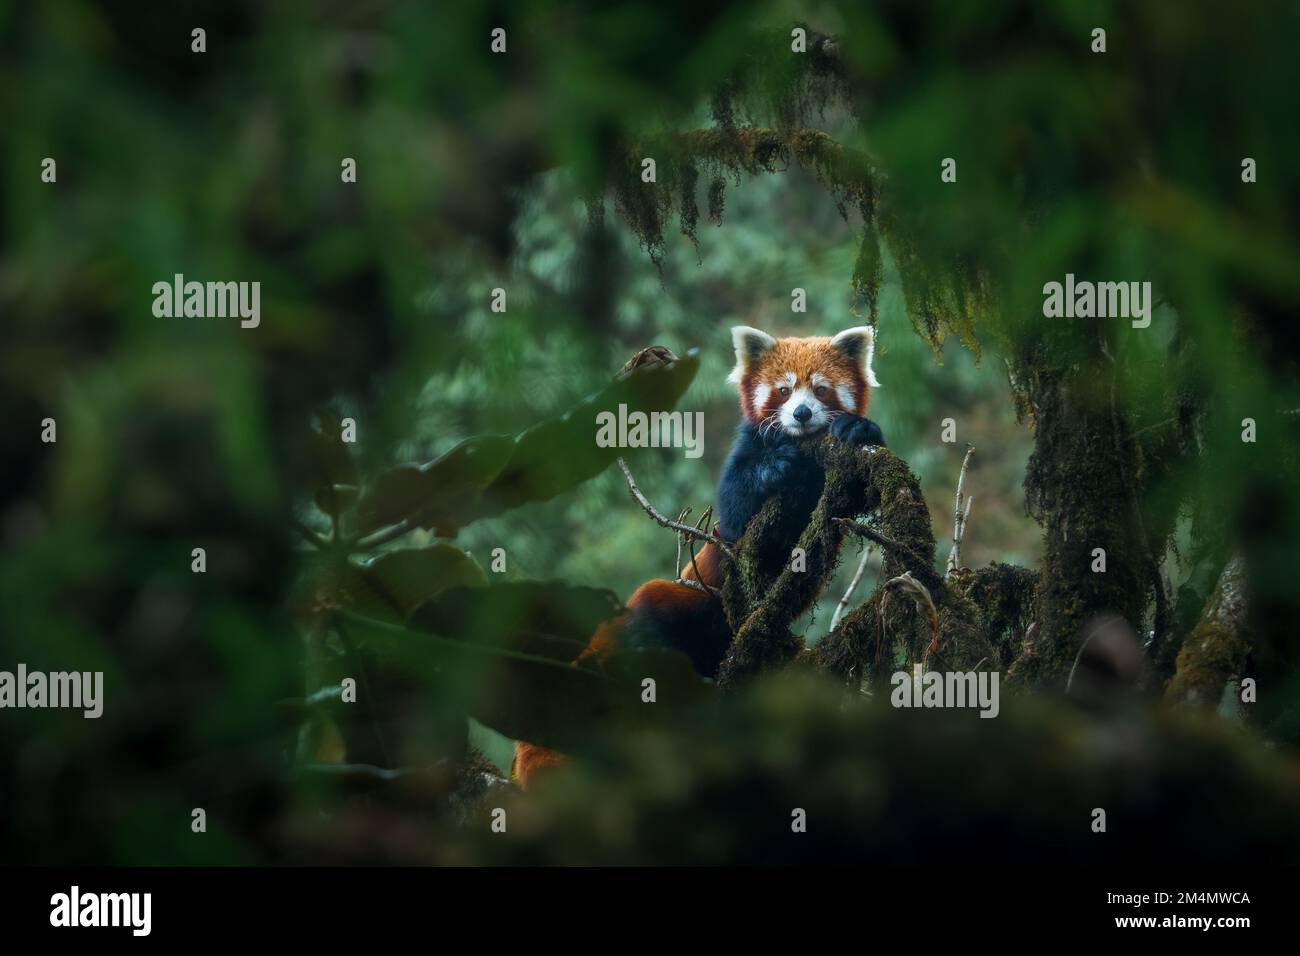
(857, 430)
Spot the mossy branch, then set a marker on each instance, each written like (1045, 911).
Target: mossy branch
(982, 615)
(783, 563)
(1216, 650)
(915, 563)
(762, 601)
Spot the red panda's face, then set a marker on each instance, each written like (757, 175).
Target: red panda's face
(800, 385)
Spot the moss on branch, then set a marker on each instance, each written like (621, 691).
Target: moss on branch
(1216, 650)
(764, 594)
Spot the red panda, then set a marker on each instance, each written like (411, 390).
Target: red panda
(790, 388)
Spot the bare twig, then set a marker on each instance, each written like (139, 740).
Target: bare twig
(703, 523)
(677, 568)
(700, 586)
(871, 534)
(959, 515)
(687, 530)
(690, 546)
(853, 586)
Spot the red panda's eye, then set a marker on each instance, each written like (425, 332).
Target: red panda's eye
(819, 391)
(784, 390)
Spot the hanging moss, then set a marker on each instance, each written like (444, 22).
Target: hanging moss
(791, 91)
(735, 151)
(717, 200)
(688, 212)
(723, 104)
(943, 296)
(869, 273)
(644, 207)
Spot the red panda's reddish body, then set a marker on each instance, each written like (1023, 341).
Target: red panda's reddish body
(789, 388)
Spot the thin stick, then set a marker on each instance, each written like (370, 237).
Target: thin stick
(691, 547)
(703, 523)
(958, 516)
(700, 586)
(677, 568)
(853, 586)
(871, 534)
(688, 530)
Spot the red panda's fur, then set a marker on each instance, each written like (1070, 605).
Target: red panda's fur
(804, 358)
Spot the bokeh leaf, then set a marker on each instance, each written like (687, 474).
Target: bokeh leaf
(510, 648)
(558, 454)
(438, 494)
(395, 583)
(510, 613)
(486, 475)
(329, 465)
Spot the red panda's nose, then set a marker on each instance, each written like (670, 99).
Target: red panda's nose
(802, 413)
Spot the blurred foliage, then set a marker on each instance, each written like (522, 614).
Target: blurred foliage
(478, 172)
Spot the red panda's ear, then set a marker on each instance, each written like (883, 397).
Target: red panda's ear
(858, 344)
(751, 344)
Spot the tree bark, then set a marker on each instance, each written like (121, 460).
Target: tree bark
(1216, 650)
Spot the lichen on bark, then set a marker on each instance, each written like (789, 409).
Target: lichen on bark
(1216, 650)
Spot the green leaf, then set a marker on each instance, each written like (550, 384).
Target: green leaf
(436, 495)
(509, 651)
(329, 466)
(561, 453)
(486, 475)
(394, 584)
(511, 614)
(335, 499)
